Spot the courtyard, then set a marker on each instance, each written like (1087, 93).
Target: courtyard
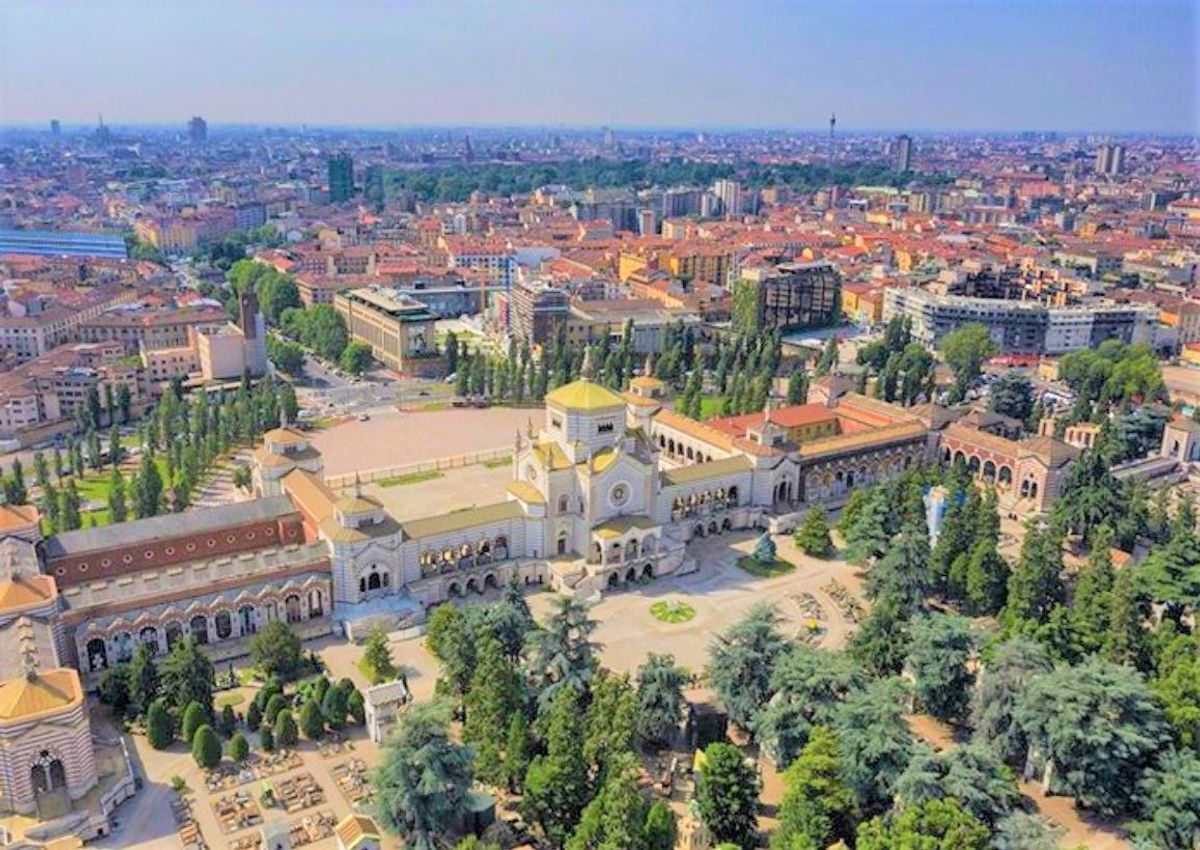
(393, 438)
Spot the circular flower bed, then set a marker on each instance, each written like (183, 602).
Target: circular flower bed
(672, 612)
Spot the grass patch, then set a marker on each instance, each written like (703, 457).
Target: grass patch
(710, 406)
(410, 478)
(498, 462)
(435, 405)
(234, 698)
(323, 422)
(770, 569)
(373, 676)
(673, 611)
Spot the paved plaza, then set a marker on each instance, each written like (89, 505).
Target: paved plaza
(462, 487)
(393, 438)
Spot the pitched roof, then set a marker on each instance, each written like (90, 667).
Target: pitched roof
(1054, 452)
(24, 697)
(703, 471)
(584, 395)
(526, 492)
(461, 520)
(21, 591)
(311, 494)
(192, 521)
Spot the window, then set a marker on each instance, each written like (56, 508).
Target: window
(605, 427)
(555, 422)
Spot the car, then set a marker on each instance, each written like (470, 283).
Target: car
(423, 393)
(363, 417)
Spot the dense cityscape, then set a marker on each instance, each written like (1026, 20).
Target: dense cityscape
(560, 487)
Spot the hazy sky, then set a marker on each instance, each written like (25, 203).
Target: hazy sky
(1104, 65)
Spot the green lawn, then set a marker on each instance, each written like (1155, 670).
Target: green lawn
(234, 698)
(410, 478)
(498, 462)
(774, 569)
(673, 611)
(710, 406)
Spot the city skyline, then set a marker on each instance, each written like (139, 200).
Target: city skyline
(930, 66)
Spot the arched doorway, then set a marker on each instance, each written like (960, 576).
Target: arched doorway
(612, 579)
(315, 608)
(291, 608)
(454, 589)
(648, 571)
(490, 581)
(246, 616)
(97, 653)
(149, 636)
(473, 586)
(631, 574)
(47, 773)
(712, 527)
(223, 624)
(199, 628)
(374, 582)
(174, 635)
(698, 531)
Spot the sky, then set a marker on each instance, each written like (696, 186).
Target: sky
(1082, 65)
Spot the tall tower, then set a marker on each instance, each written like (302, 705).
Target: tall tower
(829, 153)
(197, 130)
(903, 153)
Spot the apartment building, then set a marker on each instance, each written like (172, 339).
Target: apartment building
(34, 324)
(398, 328)
(492, 257)
(139, 327)
(791, 295)
(1021, 327)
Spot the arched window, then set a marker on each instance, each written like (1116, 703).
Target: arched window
(315, 608)
(199, 627)
(563, 503)
(223, 624)
(291, 606)
(97, 653)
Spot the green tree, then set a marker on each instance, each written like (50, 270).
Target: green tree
(941, 649)
(287, 356)
(965, 350)
(1035, 586)
(194, 716)
(228, 720)
(148, 490)
(659, 832)
(516, 751)
(450, 636)
(275, 704)
(940, 824)
(377, 657)
(741, 660)
(987, 579)
(266, 738)
(206, 747)
(812, 537)
(1101, 726)
(496, 693)
(509, 619)
(113, 689)
(562, 654)
(615, 818)
(881, 644)
(1006, 674)
(809, 686)
(286, 732)
(1022, 831)
(356, 357)
(143, 679)
(117, 509)
(611, 722)
(1169, 795)
(727, 795)
(866, 529)
(764, 549)
(1092, 599)
(275, 649)
(556, 784)
(875, 742)
(160, 731)
(186, 675)
(973, 775)
(1012, 395)
(660, 684)
(817, 806)
(1127, 641)
(312, 722)
(239, 748)
(335, 703)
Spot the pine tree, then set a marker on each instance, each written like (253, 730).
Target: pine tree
(143, 679)
(986, 578)
(812, 537)
(516, 751)
(239, 748)
(727, 795)
(206, 747)
(496, 693)
(556, 784)
(194, 716)
(312, 722)
(1127, 641)
(160, 731)
(1092, 601)
(1035, 586)
(117, 509)
(817, 806)
(286, 733)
